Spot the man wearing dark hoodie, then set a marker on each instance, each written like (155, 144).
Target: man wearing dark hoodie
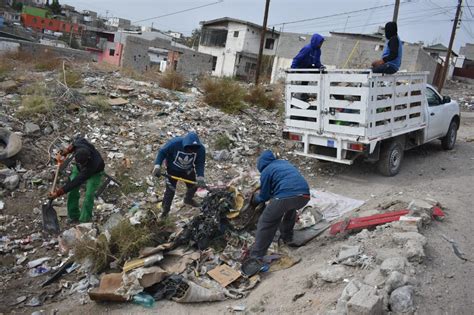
(184, 157)
(392, 52)
(310, 55)
(88, 169)
(287, 190)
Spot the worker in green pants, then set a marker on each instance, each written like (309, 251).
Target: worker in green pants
(85, 215)
(89, 169)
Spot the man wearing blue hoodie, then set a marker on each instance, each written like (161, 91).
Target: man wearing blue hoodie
(392, 52)
(287, 190)
(310, 55)
(184, 157)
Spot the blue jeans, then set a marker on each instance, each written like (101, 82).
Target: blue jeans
(385, 69)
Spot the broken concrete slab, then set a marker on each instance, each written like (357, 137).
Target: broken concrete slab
(334, 273)
(396, 280)
(397, 263)
(401, 299)
(403, 238)
(11, 182)
(351, 289)
(384, 253)
(8, 86)
(117, 101)
(365, 302)
(375, 278)
(414, 251)
(348, 251)
(31, 128)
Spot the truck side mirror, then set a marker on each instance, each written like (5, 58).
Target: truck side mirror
(446, 99)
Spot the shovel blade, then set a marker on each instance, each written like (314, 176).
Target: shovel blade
(50, 219)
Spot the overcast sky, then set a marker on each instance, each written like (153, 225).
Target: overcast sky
(419, 20)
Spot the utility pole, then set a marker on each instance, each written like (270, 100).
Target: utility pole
(262, 40)
(395, 10)
(445, 69)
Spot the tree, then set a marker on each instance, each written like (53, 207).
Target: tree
(55, 7)
(47, 4)
(17, 6)
(193, 40)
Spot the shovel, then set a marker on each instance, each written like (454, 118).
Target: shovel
(50, 217)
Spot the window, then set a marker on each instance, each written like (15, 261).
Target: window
(269, 43)
(250, 66)
(214, 63)
(236, 33)
(432, 97)
(111, 52)
(213, 37)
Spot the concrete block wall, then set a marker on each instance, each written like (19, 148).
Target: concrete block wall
(7, 44)
(192, 64)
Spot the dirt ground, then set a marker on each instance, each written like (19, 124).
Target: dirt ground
(444, 281)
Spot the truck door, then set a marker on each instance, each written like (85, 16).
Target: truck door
(435, 114)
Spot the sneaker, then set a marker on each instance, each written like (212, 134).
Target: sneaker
(72, 221)
(192, 203)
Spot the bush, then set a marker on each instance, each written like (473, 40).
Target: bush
(172, 80)
(47, 64)
(99, 103)
(38, 102)
(223, 93)
(258, 96)
(73, 78)
(222, 142)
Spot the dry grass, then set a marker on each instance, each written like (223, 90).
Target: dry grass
(223, 93)
(73, 78)
(126, 240)
(172, 80)
(98, 102)
(222, 142)
(36, 102)
(96, 250)
(258, 96)
(41, 61)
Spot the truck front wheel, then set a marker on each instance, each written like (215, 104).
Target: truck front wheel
(391, 157)
(448, 141)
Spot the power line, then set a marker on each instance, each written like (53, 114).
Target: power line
(181, 11)
(337, 14)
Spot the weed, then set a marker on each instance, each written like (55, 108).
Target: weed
(258, 96)
(37, 102)
(98, 102)
(172, 80)
(222, 142)
(47, 64)
(73, 78)
(96, 250)
(223, 93)
(126, 240)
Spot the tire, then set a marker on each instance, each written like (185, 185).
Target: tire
(391, 157)
(448, 141)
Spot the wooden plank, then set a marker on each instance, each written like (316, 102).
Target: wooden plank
(310, 89)
(299, 103)
(305, 77)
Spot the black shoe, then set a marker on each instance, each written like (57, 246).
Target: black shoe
(192, 203)
(287, 240)
(72, 221)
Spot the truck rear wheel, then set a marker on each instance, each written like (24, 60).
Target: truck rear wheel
(448, 141)
(391, 157)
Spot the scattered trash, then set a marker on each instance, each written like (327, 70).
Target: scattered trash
(144, 300)
(37, 262)
(224, 274)
(298, 296)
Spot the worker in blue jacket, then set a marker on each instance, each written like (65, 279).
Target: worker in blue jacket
(392, 52)
(287, 190)
(184, 157)
(310, 55)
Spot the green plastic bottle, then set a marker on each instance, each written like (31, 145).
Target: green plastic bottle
(144, 299)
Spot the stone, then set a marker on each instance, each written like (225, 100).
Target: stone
(362, 235)
(401, 300)
(403, 238)
(375, 278)
(31, 128)
(348, 251)
(386, 252)
(351, 289)
(11, 182)
(221, 155)
(406, 226)
(396, 280)
(365, 302)
(48, 130)
(414, 251)
(397, 263)
(334, 273)
(8, 86)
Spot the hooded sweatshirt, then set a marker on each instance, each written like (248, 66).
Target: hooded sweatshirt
(93, 166)
(279, 179)
(393, 49)
(178, 159)
(310, 55)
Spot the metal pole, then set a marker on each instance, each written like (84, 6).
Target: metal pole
(395, 10)
(445, 70)
(262, 40)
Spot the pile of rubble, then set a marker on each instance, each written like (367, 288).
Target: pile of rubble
(461, 92)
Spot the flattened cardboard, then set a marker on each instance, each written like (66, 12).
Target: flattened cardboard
(224, 274)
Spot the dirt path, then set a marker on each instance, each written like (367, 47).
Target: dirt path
(444, 281)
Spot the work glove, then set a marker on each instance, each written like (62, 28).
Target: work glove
(65, 151)
(56, 194)
(201, 183)
(156, 171)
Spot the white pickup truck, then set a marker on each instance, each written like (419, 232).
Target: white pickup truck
(342, 115)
